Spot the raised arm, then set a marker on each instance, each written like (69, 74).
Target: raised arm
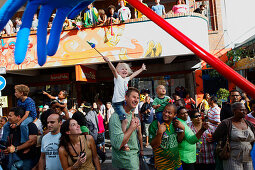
(156, 141)
(114, 71)
(138, 72)
(49, 96)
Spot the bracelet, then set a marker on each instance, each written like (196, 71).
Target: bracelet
(16, 149)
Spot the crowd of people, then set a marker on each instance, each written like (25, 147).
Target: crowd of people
(92, 16)
(183, 135)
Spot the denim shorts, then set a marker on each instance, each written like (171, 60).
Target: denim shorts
(118, 108)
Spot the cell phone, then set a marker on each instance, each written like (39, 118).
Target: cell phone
(2, 147)
(206, 119)
(82, 154)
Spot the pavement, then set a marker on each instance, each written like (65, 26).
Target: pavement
(107, 165)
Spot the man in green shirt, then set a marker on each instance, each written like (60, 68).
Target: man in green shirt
(125, 159)
(164, 140)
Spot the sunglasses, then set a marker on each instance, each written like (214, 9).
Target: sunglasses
(196, 116)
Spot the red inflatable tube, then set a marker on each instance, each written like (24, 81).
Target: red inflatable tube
(217, 64)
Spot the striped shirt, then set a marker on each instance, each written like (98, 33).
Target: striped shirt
(214, 114)
(206, 150)
(167, 154)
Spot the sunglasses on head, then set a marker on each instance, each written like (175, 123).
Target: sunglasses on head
(196, 116)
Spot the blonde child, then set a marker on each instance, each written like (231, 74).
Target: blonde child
(121, 77)
(61, 101)
(160, 102)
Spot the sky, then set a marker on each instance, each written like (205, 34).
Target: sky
(240, 16)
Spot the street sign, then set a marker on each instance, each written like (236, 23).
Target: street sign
(2, 83)
(3, 101)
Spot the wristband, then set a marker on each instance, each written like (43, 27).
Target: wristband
(16, 149)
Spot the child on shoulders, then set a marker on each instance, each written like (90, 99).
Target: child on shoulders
(160, 102)
(121, 77)
(61, 101)
(26, 103)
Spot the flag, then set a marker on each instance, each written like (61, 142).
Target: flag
(91, 44)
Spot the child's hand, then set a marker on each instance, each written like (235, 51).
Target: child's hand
(44, 92)
(157, 106)
(13, 126)
(143, 67)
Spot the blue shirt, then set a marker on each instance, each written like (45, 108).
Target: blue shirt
(158, 9)
(28, 105)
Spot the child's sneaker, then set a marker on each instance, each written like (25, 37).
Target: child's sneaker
(125, 148)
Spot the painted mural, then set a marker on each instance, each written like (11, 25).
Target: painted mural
(73, 48)
(119, 42)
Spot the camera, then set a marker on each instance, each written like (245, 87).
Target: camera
(82, 154)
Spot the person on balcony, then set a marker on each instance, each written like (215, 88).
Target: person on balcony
(124, 12)
(34, 23)
(102, 17)
(18, 24)
(180, 7)
(112, 16)
(90, 16)
(158, 8)
(200, 9)
(138, 14)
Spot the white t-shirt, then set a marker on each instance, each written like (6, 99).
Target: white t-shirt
(120, 88)
(49, 146)
(63, 100)
(124, 13)
(8, 27)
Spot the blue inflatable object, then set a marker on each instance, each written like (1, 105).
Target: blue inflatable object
(253, 156)
(65, 8)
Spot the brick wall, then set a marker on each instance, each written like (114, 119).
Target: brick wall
(216, 38)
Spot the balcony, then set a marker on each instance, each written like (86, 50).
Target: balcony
(135, 39)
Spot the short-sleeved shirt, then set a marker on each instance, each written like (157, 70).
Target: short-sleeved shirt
(214, 114)
(124, 13)
(115, 15)
(28, 105)
(16, 133)
(120, 88)
(167, 154)
(181, 8)
(162, 101)
(49, 146)
(61, 102)
(123, 159)
(158, 9)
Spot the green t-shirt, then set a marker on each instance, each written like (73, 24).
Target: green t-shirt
(187, 148)
(123, 159)
(167, 154)
(162, 101)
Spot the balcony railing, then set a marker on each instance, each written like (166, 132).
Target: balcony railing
(130, 21)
